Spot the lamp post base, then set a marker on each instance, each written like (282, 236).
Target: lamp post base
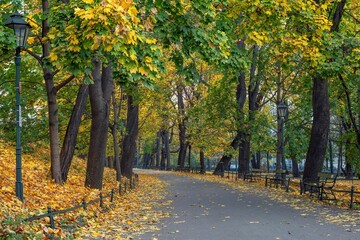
(19, 190)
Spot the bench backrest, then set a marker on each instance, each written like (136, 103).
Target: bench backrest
(323, 175)
(256, 170)
(327, 178)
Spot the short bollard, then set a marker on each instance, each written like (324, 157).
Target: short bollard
(84, 203)
(112, 195)
(51, 216)
(352, 197)
(101, 200)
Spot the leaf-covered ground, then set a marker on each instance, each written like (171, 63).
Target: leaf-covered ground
(129, 214)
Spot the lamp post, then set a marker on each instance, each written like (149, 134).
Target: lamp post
(282, 110)
(21, 30)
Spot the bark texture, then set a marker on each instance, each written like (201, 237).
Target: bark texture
(52, 102)
(69, 143)
(320, 129)
(132, 128)
(100, 94)
(182, 128)
(321, 113)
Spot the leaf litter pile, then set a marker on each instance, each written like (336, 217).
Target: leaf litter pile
(127, 216)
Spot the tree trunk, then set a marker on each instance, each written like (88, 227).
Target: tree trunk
(182, 128)
(253, 91)
(158, 149)
(68, 147)
(295, 167)
(255, 161)
(331, 157)
(244, 154)
(189, 159)
(114, 133)
(321, 111)
(100, 93)
(244, 144)
(320, 129)
(167, 149)
(244, 132)
(52, 102)
(202, 162)
(132, 128)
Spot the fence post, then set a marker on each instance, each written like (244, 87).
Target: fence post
(112, 195)
(84, 203)
(222, 169)
(137, 178)
(352, 197)
(125, 187)
(131, 182)
(101, 200)
(51, 216)
(120, 188)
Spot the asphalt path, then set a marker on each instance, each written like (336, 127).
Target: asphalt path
(208, 210)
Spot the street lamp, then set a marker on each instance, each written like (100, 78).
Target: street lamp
(282, 110)
(21, 30)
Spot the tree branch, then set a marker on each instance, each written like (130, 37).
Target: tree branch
(37, 57)
(63, 83)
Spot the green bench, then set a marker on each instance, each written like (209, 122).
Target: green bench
(279, 178)
(322, 186)
(254, 174)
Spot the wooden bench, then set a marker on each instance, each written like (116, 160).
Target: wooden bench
(254, 174)
(278, 178)
(322, 186)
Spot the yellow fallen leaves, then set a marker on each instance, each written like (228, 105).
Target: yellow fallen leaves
(127, 216)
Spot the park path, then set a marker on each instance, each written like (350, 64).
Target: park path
(209, 210)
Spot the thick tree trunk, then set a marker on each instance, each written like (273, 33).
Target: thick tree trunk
(68, 147)
(224, 161)
(253, 91)
(244, 144)
(100, 93)
(244, 154)
(320, 129)
(321, 119)
(132, 128)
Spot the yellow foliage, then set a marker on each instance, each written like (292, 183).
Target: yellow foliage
(40, 191)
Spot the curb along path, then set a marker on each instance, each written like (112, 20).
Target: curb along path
(207, 210)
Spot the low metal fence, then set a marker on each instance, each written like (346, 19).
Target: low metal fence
(123, 188)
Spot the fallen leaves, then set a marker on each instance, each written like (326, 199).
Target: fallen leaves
(127, 216)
